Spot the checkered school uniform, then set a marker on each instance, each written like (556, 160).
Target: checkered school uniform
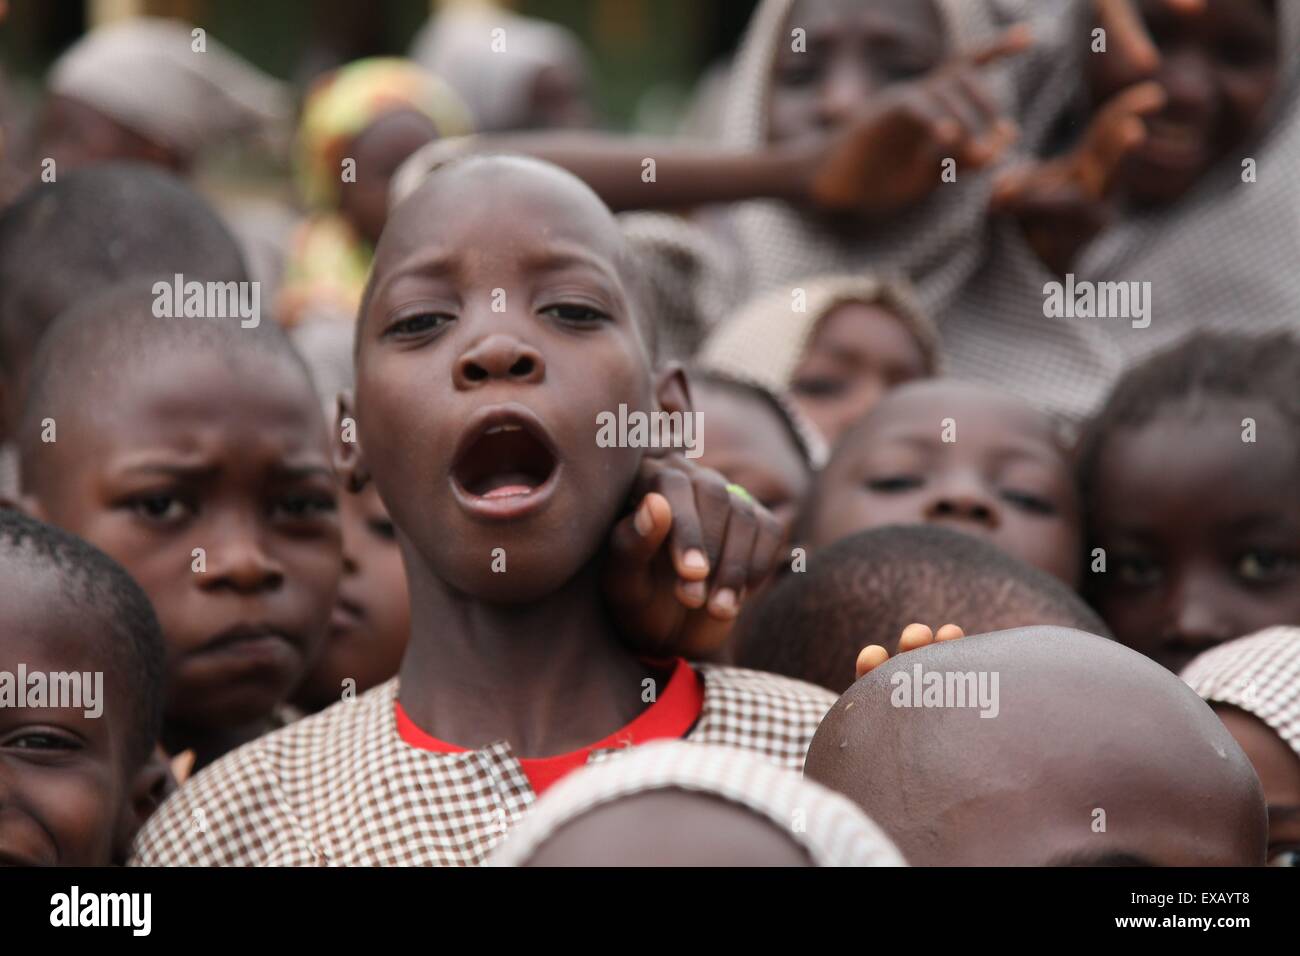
(342, 788)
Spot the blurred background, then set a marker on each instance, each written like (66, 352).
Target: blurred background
(646, 54)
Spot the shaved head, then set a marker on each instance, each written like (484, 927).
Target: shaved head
(1075, 750)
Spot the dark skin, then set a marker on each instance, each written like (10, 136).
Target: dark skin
(1188, 565)
(855, 155)
(71, 793)
(510, 460)
(746, 441)
(228, 454)
(669, 828)
(857, 353)
(1005, 477)
(371, 621)
(75, 134)
(1182, 86)
(954, 789)
(379, 150)
(1278, 767)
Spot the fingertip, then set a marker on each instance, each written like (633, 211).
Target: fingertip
(914, 636)
(691, 594)
(869, 658)
(949, 632)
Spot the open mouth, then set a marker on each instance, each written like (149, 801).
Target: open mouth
(505, 455)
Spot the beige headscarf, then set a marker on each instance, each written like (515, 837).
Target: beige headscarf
(147, 75)
(1222, 257)
(456, 44)
(765, 340)
(928, 244)
(832, 830)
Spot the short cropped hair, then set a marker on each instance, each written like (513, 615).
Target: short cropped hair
(1204, 368)
(112, 329)
(93, 227)
(866, 588)
(94, 583)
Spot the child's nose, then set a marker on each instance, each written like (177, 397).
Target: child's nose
(240, 562)
(501, 357)
(1192, 615)
(964, 503)
(1186, 79)
(844, 92)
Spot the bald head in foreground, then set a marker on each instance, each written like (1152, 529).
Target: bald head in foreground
(1040, 746)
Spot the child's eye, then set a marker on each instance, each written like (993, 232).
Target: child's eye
(894, 483)
(382, 528)
(41, 739)
(1029, 502)
(1137, 571)
(1260, 566)
(1284, 856)
(418, 324)
(161, 508)
(818, 387)
(575, 312)
(304, 507)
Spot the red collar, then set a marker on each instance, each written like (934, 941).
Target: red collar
(670, 716)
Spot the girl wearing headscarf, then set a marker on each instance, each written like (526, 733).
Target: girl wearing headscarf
(839, 119)
(156, 91)
(535, 77)
(681, 804)
(1166, 161)
(359, 123)
(831, 345)
(1253, 684)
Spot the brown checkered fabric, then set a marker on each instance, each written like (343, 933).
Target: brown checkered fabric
(342, 788)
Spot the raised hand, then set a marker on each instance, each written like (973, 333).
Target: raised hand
(890, 157)
(1063, 203)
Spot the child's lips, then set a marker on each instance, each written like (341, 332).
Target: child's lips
(258, 646)
(505, 465)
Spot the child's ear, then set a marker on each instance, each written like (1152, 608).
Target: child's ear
(152, 784)
(672, 389)
(349, 459)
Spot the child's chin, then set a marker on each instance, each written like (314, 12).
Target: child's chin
(522, 582)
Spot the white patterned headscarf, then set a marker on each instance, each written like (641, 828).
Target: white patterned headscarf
(1259, 674)
(930, 244)
(146, 74)
(831, 829)
(1222, 257)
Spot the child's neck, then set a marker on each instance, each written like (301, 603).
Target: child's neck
(209, 743)
(549, 676)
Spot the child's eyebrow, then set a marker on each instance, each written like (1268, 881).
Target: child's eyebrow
(1099, 858)
(304, 470)
(566, 256)
(168, 464)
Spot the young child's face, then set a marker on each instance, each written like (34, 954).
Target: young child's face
(372, 617)
(65, 786)
(1278, 768)
(856, 354)
(379, 150)
(1004, 476)
(670, 828)
(496, 332)
(1201, 530)
(746, 441)
(1219, 71)
(853, 50)
(227, 454)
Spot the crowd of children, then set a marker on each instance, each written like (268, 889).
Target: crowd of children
(360, 580)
